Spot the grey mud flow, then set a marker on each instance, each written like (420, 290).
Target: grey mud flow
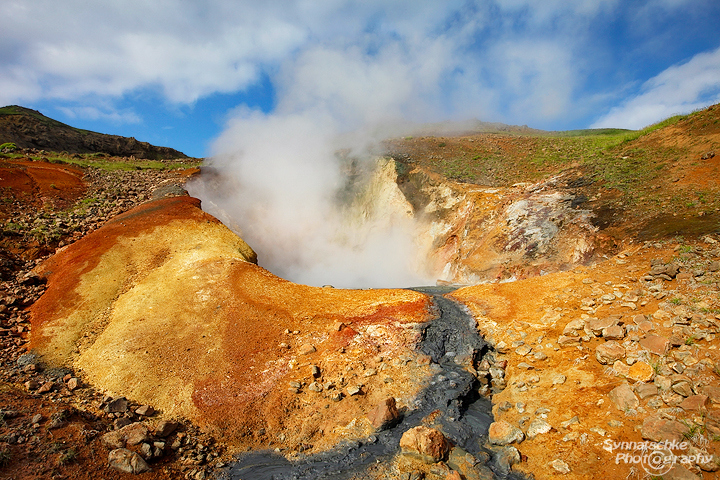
(465, 415)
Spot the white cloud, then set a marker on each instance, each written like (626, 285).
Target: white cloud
(679, 89)
(107, 113)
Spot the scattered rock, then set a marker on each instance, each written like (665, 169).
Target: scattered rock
(428, 444)
(503, 433)
(694, 403)
(46, 387)
(560, 466)
(145, 411)
(609, 352)
(624, 398)
(32, 385)
(656, 344)
(126, 461)
(646, 390)
(117, 405)
(306, 349)
(538, 427)
(659, 429)
(385, 415)
(641, 372)
(165, 428)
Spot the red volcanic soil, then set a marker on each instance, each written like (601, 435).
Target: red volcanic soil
(40, 183)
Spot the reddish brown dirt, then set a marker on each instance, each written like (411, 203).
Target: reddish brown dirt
(42, 184)
(536, 311)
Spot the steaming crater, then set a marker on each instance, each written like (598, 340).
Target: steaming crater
(391, 224)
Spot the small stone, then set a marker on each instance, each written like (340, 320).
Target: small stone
(135, 433)
(538, 427)
(505, 458)
(616, 332)
(621, 368)
(641, 372)
(682, 388)
(559, 379)
(646, 390)
(574, 328)
(597, 325)
(315, 387)
(564, 340)
(540, 355)
(694, 403)
(569, 422)
(46, 387)
(385, 415)
(32, 385)
(146, 451)
(523, 350)
(73, 383)
(117, 405)
(145, 411)
(353, 390)
(609, 352)
(560, 466)
(125, 461)
(659, 429)
(37, 418)
(121, 422)
(624, 398)
(429, 444)
(306, 349)
(165, 428)
(656, 344)
(503, 433)
(712, 392)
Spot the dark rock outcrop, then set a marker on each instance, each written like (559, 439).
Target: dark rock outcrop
(31, 129)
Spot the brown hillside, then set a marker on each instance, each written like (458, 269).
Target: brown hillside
(31, 129)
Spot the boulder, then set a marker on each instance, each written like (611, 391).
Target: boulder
(428, 444)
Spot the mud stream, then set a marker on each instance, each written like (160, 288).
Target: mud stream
(464, 416)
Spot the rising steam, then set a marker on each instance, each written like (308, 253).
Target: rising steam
(317, 209)
(301, 185)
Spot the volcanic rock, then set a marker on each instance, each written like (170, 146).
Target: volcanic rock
(504, 433)
(624, 398)
(126, 461)
(428, 444)
(385, 415)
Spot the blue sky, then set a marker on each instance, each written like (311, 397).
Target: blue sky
(176, 72)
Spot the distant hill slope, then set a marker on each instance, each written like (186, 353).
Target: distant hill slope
(31, 129)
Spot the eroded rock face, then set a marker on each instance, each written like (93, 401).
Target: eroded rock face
(474, 233)
(165, 306)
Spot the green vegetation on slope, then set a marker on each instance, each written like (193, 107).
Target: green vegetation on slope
(105, 162)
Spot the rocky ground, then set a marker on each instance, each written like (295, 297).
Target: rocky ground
(52, 424)
(623, 351)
